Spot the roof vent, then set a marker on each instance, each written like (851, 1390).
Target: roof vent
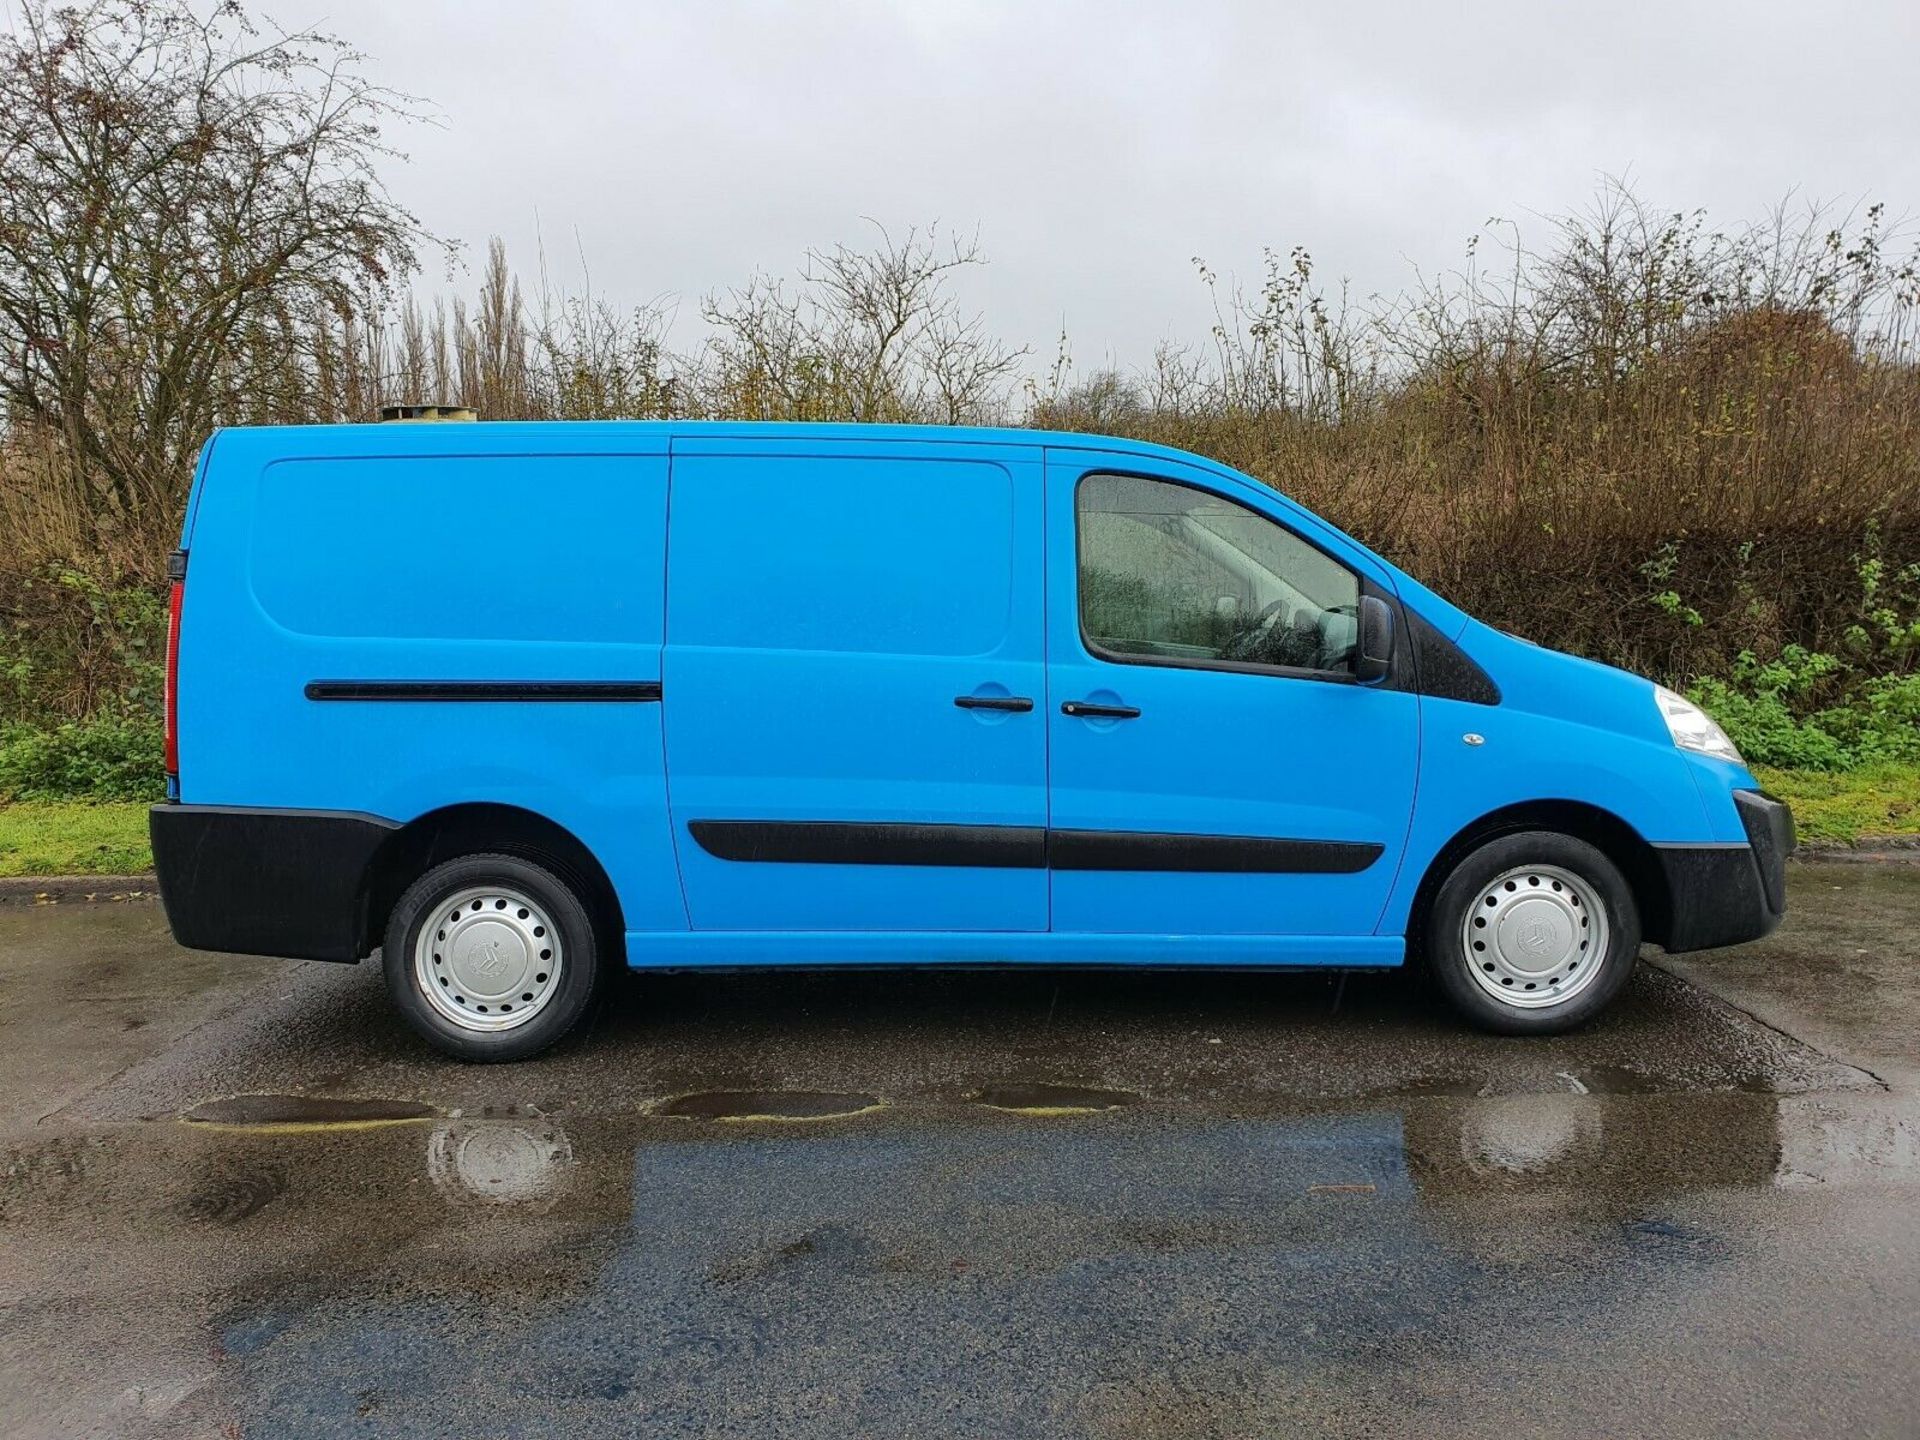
(416, 414)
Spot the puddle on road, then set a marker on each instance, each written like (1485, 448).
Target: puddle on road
(1586, 1080)
(353, 1255)
(745, 1105)
(231, 1194)
(292, 1113)
(1019, 1099)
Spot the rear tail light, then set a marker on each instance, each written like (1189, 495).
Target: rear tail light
(177, 570)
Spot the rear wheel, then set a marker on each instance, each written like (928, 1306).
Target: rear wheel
(491, 957)
(1533, 933)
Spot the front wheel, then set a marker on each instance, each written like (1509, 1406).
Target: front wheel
(491, 957)
(1533, 933)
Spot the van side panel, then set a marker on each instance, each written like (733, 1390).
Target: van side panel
(387, 562)
(854, 678)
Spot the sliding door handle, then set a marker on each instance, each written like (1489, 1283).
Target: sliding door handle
(1087, 710)
(1017, 704)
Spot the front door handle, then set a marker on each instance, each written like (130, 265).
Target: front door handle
(1087, 710)
(1017, 704)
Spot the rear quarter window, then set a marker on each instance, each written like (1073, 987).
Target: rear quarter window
(463, 548)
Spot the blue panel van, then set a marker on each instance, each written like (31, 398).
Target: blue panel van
(519, 704)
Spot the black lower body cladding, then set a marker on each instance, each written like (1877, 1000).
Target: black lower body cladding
(292, 883)
(266, 882)
(1728, 894)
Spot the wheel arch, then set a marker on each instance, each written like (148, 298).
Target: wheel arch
(476, 827)
(1600, 828)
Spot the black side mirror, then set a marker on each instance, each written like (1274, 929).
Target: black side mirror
(1373, 656)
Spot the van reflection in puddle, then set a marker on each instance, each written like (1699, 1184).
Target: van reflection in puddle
(1527, 1134)
(1619, 1154)
(500, 1161)
(701, 1276)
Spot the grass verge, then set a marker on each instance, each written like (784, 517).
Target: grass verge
(78, 837)
(74, 837)
(1875, 800)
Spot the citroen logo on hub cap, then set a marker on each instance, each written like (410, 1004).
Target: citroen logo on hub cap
(486, 959)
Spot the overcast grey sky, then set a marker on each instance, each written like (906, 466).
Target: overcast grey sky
(1098, 147)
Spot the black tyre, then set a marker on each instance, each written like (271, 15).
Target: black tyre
(491, 957)
(1532, 934)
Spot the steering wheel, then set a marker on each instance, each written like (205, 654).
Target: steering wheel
(1267, 612)
(1250, 640)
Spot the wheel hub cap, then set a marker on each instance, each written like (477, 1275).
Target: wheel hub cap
(487, 959)
(1535, 936)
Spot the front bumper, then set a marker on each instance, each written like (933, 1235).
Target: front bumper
(252, 881)
(1729, 894)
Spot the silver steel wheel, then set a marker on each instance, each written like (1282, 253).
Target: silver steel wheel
(1535, 936)
(487, 959)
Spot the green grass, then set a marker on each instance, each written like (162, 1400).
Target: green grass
(74, 837)
(1874, 800)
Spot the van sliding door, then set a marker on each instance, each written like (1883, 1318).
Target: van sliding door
(853, 680)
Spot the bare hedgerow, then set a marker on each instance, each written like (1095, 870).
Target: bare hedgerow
(186, 202)
(865, 335)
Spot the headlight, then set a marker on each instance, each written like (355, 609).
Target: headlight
(1692, 728)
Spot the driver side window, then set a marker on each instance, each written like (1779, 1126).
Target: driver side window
(1172, 573)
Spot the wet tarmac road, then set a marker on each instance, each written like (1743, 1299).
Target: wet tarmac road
(236, 1197)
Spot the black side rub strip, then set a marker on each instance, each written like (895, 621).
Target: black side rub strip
(834, 842)
(1022, 847)
(482, 690)
(1243, 854)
